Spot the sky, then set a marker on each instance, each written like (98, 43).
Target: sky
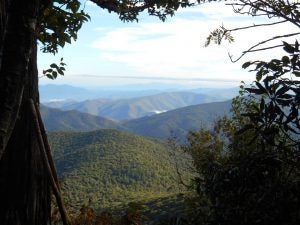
(110, 53)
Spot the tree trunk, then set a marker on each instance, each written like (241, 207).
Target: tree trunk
(24, 184)
(3, 20)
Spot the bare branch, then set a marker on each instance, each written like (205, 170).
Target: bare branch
(270, 9)
(256, 25)
(55, 188)
(252, 48)
(263, 49)
(47, 145)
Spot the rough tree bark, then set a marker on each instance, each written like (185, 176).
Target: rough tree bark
(24, 185)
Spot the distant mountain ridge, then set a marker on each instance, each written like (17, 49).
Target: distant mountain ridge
(126, 109)
(175, 122)
(52, 92)
(179, 121)
(58, 120)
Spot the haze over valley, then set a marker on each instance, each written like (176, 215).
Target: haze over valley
(159, 115)
(114, 142)
(114, 104)
(125, 91)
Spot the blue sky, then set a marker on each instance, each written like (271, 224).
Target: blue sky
(109, 52)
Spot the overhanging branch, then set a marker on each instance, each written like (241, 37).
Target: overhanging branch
(128, 10)
(252, 48)
(256, 25)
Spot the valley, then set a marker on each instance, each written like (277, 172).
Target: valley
(157, 115)
(176, 122)
(111, 152)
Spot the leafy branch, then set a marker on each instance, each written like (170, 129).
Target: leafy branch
(128, 10)
(55, 70)
(252, 48)
(286, 11)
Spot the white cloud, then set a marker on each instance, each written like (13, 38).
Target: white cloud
(158, 48)
(175, 48)
(167, 49)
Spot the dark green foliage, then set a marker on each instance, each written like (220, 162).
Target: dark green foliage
(163, 209)
(129, 10)
(147, 212)
(255, 189)
(241, 178)
(59, 23)
(55, 70)
(113, 168)
(217, 35)
(276, 117)
(248, 167)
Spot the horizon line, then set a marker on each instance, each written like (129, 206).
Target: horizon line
(159, 78)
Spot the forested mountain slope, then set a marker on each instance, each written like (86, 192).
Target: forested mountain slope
(179, 121)
(113, 168)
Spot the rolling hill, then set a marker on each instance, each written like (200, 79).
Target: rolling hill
(179, 121)
(113, 168)
(174, 122)
(126, 109)
(57, 120)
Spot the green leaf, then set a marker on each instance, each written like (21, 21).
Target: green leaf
(53, 65)
(281, 91)
(259, 75)
(262, 104)
(288, 48)
(50, 76)
(259, 65)
(54, 74)
(285, 60)
(296, 46)
(260, 87)
(283, 102)
(47, 71)
(246, 64)
(274, 66)
(61, 72)
(287, 10)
